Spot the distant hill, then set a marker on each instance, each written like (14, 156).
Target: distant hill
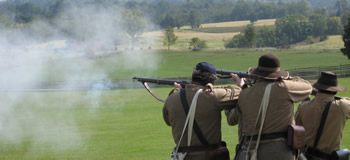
(313, 3)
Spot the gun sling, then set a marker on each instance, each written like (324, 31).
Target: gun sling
(195, 125)
(313, 151)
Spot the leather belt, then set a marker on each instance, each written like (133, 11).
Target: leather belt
(200, 148)
(317, 153)
(268, 136)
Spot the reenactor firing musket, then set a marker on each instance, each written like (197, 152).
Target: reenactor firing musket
(158, 81)
(145, 81)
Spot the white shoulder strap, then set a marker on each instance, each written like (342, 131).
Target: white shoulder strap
(189, 121)
(262, 110)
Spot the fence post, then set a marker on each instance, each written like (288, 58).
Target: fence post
(319, 71)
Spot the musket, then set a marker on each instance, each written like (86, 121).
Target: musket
(159, 81)
(240, 74)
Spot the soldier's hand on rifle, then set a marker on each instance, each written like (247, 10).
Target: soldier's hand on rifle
(240, 81)
(177, 86)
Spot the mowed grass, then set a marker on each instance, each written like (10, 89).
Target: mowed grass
(333, 42)
(180, 63)
(122, 124)
(126, 124)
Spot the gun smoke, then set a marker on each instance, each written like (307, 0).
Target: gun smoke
(50, 57)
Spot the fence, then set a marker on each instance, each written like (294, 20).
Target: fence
(306, 73)
(342, 70)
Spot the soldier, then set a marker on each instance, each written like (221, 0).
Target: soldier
(211, 101)
(309, 115)
(263, 126)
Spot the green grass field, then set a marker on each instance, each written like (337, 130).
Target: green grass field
(121, 124)
(180, 63)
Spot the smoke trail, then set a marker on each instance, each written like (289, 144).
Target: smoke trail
(71, 45)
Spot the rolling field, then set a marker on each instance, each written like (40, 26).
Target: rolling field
(127, 123)
(180, 63)
(213, 33)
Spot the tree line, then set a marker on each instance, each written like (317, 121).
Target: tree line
(288, 30)
(176, 13)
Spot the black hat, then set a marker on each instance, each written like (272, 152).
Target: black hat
(206, 67)
(269, 68)
(328, 81)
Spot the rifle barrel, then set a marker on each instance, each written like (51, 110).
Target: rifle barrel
(240, 74)
(161, 81)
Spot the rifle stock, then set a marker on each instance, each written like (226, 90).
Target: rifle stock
(144, 81)
(161, 81)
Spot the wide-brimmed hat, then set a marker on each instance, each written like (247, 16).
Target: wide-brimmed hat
(205, 67)
(328, 81)
(269, 68)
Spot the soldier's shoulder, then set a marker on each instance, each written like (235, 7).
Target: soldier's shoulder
(344, 101)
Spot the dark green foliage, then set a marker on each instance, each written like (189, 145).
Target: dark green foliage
(237, 41)
(266, 37)
(334, 26)
(247, 39)
(167, 21)
(319, 24)
(194, 19)
(344, 17)
(346, 40)
(250, 36)
(196, 42)
(292, 29)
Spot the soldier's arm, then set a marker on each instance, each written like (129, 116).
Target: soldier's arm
(233, 116)
(298, 89)
(226, 96)
(166, 115)
(345, 104)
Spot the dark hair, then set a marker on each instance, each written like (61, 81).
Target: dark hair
(203, 78)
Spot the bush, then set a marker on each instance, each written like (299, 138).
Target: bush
(197, 43)
(237, 41)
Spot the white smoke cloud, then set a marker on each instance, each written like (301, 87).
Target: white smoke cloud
(27, 58)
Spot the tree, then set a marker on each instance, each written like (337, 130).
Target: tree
(167, 21)
(346, 40)
(334, 26)
(341, 6)
(266, 37)
(250, 36)
(292, 29)
(197, 43)
(169, 37)
(194, 19)
(134, 24)
(237, 41)
(319, 25)
(344, 17)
